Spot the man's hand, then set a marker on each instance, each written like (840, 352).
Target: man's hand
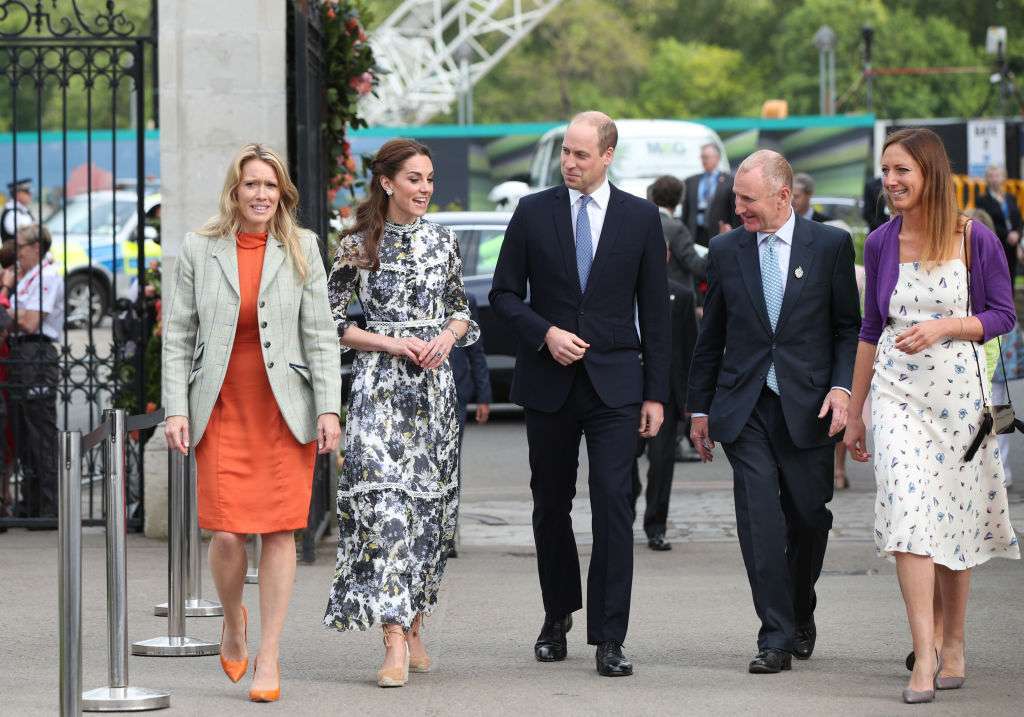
(652, 415)
(724, 227)
(483, 412)
(699, 438)
(565, 347)
(1013, 238)
(837, 401)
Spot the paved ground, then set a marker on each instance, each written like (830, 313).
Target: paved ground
(691, 636)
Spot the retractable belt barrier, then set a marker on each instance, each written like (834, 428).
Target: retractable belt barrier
(183, 558)
(117, 695)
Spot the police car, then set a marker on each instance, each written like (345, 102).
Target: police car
(99, 271)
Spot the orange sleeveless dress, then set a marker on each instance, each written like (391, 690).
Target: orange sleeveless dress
(254, 476)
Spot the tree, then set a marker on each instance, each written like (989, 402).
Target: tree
(586, 54)
(695, 79)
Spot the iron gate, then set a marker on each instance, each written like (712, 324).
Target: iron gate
(306, 156)
(80, 76)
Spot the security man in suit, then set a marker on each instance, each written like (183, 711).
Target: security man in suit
(803, 193)
(593, 259)
(472, 384)
(774, 358)
(708, 209)
(17, 215)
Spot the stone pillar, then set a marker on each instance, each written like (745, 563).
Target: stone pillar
(223, 75)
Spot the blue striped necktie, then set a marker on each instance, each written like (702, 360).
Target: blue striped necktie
(771, 281)
(584, 243)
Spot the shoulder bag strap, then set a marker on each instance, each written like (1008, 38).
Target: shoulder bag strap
(974, 346)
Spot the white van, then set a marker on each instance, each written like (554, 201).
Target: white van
(646, 150)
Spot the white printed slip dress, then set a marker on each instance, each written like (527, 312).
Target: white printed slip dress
(925, 409)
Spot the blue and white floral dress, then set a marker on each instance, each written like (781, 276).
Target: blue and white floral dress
(398, 488)
(925, 410)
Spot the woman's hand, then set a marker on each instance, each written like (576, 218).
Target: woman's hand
(921, 336)
(854, 439)
(176, 431)
(407, 347)
(328, 432)
(436, 350)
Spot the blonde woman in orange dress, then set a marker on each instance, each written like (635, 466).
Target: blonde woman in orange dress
(251, 380)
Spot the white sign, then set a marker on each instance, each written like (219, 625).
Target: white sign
(986, 145)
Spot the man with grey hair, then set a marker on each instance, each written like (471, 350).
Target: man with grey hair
(803, 192)
(773, 359)
(708, 198)
(588, 253)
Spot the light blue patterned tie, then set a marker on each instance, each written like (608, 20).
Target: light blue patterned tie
(584, 244)
(771, 282)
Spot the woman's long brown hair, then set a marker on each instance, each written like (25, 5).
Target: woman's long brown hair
(938, 200)
(372, 212)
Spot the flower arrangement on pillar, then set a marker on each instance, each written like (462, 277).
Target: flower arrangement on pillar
(349, 73)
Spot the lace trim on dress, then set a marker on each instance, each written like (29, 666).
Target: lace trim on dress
(367, 487)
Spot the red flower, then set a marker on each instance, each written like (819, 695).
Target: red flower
(331, 14)
(350, 164)
(362, 83)
(345, 212)
(352, 24)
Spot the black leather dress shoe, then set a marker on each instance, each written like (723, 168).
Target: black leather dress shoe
(770, 661)
(551, 644)
(803, 641)
(658, 542)
(611, 662)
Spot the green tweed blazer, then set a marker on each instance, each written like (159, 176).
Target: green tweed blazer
(297, 333)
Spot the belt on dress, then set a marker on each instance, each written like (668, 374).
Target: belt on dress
(407, 324)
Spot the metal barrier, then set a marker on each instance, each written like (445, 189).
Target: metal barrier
(195, 605)
(117, 696)
(175, 643)
(69, 514)
(252, 576)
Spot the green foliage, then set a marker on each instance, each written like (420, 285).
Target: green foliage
(43, 107)
(685, 58)
(694, 79)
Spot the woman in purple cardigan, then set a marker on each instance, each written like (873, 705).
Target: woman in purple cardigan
(920, 353)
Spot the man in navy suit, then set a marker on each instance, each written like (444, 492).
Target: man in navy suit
(593, 260)
(774, 358)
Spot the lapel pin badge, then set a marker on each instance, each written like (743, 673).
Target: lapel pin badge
(799, 273)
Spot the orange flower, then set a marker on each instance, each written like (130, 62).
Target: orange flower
(150, 407)
(350, 164)
(345, 212)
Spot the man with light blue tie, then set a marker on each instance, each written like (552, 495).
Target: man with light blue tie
(708, 199)
(770, 379)
(593, 260)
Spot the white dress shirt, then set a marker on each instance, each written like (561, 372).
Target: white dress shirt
(783, 245)
(596, 210)
(44, 294)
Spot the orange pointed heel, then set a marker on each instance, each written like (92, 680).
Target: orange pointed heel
(265, 695)
(236, 669)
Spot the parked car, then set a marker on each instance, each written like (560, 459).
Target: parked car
(100, 272)
(480, 235)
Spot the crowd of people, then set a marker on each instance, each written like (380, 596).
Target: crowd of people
(603, 291)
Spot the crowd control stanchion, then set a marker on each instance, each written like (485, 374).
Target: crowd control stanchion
(117, 696)
(69, 536)
(175, 643)
(252, 577)
(195, 605)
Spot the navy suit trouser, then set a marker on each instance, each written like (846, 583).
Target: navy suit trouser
(781, 492)
(554, 459)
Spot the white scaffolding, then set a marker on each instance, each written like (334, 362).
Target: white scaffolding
(431, 50)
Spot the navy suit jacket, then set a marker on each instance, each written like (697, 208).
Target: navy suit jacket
(538, 255)
(469, 367)
(814, 344)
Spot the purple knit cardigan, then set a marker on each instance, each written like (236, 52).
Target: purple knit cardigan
(990, 280)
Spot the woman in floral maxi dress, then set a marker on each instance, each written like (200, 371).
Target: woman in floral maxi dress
(398, 491)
